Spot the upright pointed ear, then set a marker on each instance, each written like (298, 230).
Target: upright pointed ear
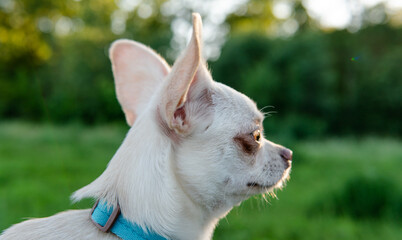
(185, 83)
(137, 71)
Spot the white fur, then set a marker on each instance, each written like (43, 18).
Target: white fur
(178, 179)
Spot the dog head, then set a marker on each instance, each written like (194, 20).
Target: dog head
(220, 156)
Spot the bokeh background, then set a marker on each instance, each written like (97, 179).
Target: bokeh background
(329, 73)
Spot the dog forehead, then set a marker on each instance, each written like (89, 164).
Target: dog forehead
(236, 106)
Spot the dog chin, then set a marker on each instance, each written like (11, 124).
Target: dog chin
(257, 188)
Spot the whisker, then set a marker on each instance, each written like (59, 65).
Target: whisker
(262, 109)
(269, 113)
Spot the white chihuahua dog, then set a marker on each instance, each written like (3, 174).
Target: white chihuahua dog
(195, 149)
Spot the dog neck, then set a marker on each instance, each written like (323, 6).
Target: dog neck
(141, 178)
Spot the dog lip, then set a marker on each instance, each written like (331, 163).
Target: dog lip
(257, 185)
(288, 164)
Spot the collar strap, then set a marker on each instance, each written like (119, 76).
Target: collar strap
(107, 219)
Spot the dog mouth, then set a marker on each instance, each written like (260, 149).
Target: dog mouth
(267, 187)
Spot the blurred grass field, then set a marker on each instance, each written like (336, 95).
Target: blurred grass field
(41, 165)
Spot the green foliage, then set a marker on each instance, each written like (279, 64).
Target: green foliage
(364, 197)
(320, 83)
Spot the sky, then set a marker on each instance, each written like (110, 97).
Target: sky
(339, 13)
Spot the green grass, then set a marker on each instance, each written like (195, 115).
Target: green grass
(41, 165)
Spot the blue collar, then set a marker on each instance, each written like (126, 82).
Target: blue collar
(108, 219)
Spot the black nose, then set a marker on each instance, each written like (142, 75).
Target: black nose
(286, 154)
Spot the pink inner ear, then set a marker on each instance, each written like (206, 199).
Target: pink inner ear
(137, 70)
(180, 113)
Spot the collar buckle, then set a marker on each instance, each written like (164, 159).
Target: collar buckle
(111, 220)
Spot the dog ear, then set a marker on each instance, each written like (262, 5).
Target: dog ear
(187, 82)
(137, 71)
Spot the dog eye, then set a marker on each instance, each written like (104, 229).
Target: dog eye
(257, 135)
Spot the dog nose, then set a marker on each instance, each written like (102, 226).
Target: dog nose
(286, 154)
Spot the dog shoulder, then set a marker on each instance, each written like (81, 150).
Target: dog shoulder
(72, 224)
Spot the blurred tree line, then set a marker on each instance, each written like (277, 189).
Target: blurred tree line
(54, 67)
(321, 83)
(53, 58)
